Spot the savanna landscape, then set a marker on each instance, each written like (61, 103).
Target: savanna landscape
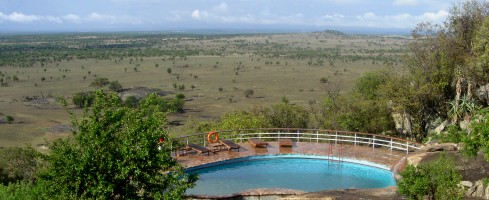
(212, 71)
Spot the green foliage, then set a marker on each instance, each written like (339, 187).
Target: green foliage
(115, 86)
(180, 96)
(19, 164)
(356, 114)
(9, 119)
(241, 120)
(480, 65)
(131, 101)
(364, 110)
(367, 85)
(26, 190)
(174, 105)
(436, 180)
(99, 82)
(285, 115)
(453, 134)
(83, 99)
(114, 154)
(478, 138)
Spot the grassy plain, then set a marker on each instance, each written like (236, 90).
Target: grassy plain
(271, 65)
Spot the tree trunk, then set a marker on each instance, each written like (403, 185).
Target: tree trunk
(457, 99)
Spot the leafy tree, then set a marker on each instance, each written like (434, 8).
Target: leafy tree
(131, 101)
(180, 96)
(10, 119)
(114, 153)
(442, 67)
(285, 115)
(364, 109)
(241, 120)
(19, 164)
(367, 85)
(436, 180)
(115, 86)
(100, 82)
(176, 105)
(83, 99)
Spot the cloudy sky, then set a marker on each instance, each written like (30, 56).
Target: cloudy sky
(169, 15)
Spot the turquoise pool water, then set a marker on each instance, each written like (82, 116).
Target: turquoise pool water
(291, 172)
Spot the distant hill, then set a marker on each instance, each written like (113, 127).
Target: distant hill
(334, 32)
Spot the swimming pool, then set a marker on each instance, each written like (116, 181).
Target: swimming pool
(298, 172)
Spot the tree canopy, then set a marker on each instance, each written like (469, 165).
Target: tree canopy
(114, 154)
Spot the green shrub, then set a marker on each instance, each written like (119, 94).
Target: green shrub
(131, 101)
(436, 180)
(100, 82)
(19, 164)
(9, 119)
(115, 86)
(82, 99)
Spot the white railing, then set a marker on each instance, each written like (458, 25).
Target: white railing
(308, 135)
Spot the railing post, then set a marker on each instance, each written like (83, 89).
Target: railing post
(355, 143)
(336, 137)
(391, 144)
(373, 142)
(317, 136)
(407, 147)
(298, 133)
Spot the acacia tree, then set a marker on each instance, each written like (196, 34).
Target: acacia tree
(114, 154)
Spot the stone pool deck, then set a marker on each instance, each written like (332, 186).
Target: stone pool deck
(381, 156)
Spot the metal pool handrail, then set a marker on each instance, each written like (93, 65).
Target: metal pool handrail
(308, 135)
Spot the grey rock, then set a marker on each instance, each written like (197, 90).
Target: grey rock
(440, 147)
(479, 191)
(467, 184)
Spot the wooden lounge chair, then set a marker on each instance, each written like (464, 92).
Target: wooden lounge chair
(257, 142)
(285, 142)
(199, 149)
(229, 144)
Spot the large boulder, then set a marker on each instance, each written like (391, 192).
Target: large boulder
(483, 93)
(440, 147)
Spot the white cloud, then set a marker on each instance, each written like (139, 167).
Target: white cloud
(335, 16)
(405, 2)
(72, 18)
(373, 20)
(17, 17)
(111, 19)
(223, 7)
(196, 14)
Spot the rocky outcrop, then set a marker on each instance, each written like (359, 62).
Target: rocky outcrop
(440, 147)
(477, 189)
(483, 93)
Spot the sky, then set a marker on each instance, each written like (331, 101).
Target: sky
(180, 15)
